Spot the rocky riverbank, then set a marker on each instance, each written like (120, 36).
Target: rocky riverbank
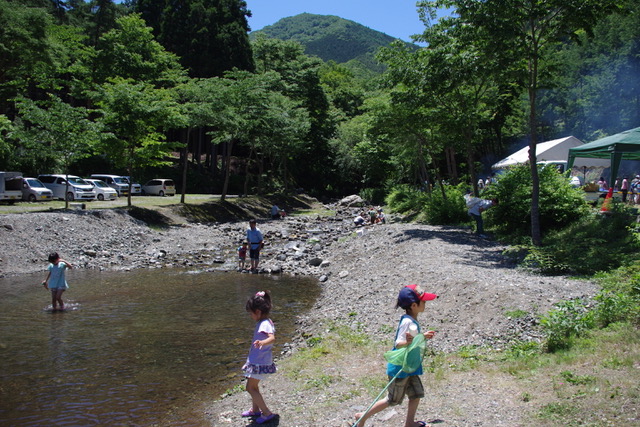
(360, 270)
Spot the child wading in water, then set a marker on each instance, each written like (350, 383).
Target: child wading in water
(55, 280)
(412, 299)
(260, 360)
(242, 255)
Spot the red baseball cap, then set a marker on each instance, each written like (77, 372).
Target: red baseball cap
(413, 293)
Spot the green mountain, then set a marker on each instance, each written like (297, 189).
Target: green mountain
(331, 38)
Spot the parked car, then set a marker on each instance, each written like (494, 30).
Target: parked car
(117, 182)
(78, 188)
(103, 191)
(136, 189)
(159, 187)
(34, 190)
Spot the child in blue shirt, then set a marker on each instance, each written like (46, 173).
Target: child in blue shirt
(412, 299)
(56, 280)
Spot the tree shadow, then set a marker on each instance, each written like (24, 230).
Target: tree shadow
(480, 252)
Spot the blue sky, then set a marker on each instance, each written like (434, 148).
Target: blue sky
(397, 18)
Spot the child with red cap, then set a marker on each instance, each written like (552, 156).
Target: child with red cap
(412, 299)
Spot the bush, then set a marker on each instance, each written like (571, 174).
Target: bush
(451, 210)
(404, 199)
(568, 320)
(560, 204)
(434, 207)
(593, 243)
(374, 196)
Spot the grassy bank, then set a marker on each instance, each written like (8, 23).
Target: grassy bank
(594, 383)
(203, 208)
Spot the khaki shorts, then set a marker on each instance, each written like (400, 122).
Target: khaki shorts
(410, 386)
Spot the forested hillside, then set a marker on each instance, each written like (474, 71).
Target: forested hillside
(145, 89)
(331, 38)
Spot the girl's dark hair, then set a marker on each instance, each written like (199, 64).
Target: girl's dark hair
(53, 256)
(260, 301)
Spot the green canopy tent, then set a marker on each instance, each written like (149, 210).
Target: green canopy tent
(624, 145)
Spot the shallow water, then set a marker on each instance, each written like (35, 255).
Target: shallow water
(133, 348)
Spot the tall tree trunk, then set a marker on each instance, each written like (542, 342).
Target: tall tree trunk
(227, 170)
(247, 173)
(185, 166)
(422, 164)
(536, 235)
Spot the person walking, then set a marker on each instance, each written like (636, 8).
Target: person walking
(260, 360)
(412, 299)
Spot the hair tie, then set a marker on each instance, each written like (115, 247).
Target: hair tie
(260, 294)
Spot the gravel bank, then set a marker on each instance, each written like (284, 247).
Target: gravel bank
(360, 274)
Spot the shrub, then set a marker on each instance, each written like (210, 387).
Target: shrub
(404, 199)
(592, 243)
(568, 320)
(373, 195)
(442, 210)
(559, 203)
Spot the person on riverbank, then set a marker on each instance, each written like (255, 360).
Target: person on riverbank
(260, 363)
(475, 207)
(255, 239)
(412, 299)
(56, 281)
(242, 255)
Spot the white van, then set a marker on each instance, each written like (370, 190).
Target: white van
(78, 188)
(117, 182)
(10, 186)
(102, 189)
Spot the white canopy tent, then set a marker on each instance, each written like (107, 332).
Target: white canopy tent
(555, 151)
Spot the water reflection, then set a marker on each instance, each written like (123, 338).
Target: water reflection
(133, 348)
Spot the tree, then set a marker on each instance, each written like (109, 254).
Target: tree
(130, 52)
(24, 45)
(299, 80)
(57, 132)
(134, 116)
(209, 36)
(526, 32)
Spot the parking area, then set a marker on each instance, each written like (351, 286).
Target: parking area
(120, 202)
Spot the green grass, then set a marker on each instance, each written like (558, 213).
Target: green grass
(121, 202)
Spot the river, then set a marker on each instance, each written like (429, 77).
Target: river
(132, 348)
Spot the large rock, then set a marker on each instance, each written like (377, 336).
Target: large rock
(352, 201)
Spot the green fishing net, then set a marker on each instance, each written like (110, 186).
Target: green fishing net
(409, 357)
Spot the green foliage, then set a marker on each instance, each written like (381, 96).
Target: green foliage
(523, 349)
(54, 134)
(210, 37)
(434, 207)
(131, 52)
(375, 196)
(619, 299)
(447, 208)
(560, 204)
(568, 320)
(406, 200)
(592, 243)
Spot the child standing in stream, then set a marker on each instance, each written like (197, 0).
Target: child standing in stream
(56, 281)
(260, 360)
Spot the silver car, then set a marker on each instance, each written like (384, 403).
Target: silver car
(33, 190)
